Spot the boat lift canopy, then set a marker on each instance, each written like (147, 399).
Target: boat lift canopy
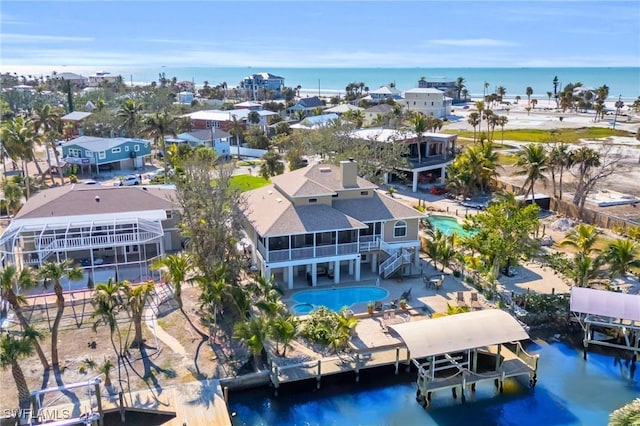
(605, 303)
(459, 332)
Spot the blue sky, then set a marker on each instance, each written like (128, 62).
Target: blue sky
(108, 34)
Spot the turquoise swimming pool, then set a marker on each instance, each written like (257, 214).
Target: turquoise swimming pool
(448, 225)
(335, 298)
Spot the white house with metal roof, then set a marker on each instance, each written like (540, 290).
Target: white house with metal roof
(110, 231)
(430, 102)
(325, 220)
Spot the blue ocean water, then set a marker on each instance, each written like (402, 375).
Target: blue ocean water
(570, 391)
(621, 81)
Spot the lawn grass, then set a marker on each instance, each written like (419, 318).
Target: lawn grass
(248, 182)
(542, 136)
(506, 159)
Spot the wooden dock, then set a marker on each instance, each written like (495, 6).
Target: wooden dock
(194, 404)
(339, 365)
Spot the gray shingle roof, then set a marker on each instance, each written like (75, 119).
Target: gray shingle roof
(378, 207)
(72, 200)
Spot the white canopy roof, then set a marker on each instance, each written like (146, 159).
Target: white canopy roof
(459, 332)
(605, 303)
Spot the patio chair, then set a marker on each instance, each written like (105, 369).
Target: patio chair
(475, 303)
(406, 295)
(460, 300)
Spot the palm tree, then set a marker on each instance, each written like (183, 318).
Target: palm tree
(584, 269)
(622, 254)
(18, 138)
(129, 115)
(583, 237)
(156, 127)
(419, 126)
(212, 295)
(627, 415)
(135, 300)
(558, 159)
(529, 92)
(459, 85)
(549, 94)
(480, 107)
(501, 91)
(502, 121)
(532, 159)
(253, 117)
(272, 165)
(474, 120)
(55, 272)
(284, 330)
(11, 351)
(175, 269)
(236, 129)
(11, 279)
(253, 334)
(48, 120)
(105, 368)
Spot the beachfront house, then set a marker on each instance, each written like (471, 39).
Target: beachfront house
(258, 86)
(325, 221)
(428, 156)
(110, 231)
(441, 83)
(97, 154)
(383, 93)
(428, 101)
(212, 138)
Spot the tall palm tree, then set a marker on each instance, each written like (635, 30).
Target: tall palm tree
(176, 269)
(55, 272)
(253, 117)
(558, 160)
(129, 115)
(532, 159)
(236, 128)
(419, 126)
(11, 279)
(13, 193)
(502, 121)
(156, 127)
(135, 300)
(474, 120)
(529, 92)
(622, 254)
(49, 121)
(480, 107)
(212, 295)
(583, 237)
(11, 351)
(106, 307)
(459, 85)
(549, 94)
(18, 139)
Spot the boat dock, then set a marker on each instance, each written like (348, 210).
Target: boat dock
(339, 364)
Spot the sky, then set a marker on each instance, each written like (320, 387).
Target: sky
(109, 34)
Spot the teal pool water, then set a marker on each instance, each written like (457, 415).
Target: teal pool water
(336, 298)
(570, 391)
(448, 225)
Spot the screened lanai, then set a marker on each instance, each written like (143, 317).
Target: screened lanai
(112, 245)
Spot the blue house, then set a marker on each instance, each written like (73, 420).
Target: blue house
(212, 138)
(96, 153)
(307, 104)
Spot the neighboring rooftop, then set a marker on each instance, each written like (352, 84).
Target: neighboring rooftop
(97, 144)
(75, 116)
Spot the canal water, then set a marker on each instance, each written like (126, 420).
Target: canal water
(570, 391)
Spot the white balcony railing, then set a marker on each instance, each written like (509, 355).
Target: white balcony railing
(284, 255)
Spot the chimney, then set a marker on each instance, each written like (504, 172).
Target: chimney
(349, 173)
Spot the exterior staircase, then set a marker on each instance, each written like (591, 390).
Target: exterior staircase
(396, 260)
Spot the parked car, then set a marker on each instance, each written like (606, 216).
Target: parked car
(129, 180)
(91, 182)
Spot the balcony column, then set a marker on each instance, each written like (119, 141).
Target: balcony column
(357, 274)
(374, 262)
(414, 186)
(442, 172)
(416, 254)
(350, 267)
(314, 274)
(336, 272)
(266, 271)
(290, 277)
(385, 178)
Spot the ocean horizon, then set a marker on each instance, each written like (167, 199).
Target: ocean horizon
(622, 81)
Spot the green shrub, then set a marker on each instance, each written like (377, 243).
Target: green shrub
(456, 273)
(73, 178)
(319, 325)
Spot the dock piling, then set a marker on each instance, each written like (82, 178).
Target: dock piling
(319, 376)
(397, 360)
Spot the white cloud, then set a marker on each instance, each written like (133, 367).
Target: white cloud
(29, 38)
(471, 42)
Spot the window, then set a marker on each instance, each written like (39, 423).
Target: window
(400, 229)
(335, 195)
(74, 152)
(136, 148)
(126, 148)
(364, 192)
(116, 150)
(431, 103)
(102, 155)
(88, 153)
(169, 214)
(313, 200)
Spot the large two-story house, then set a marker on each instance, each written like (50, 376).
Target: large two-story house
(325, 220)
(91, 152)
(257, 85)
(111, 232)
(430, 102)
